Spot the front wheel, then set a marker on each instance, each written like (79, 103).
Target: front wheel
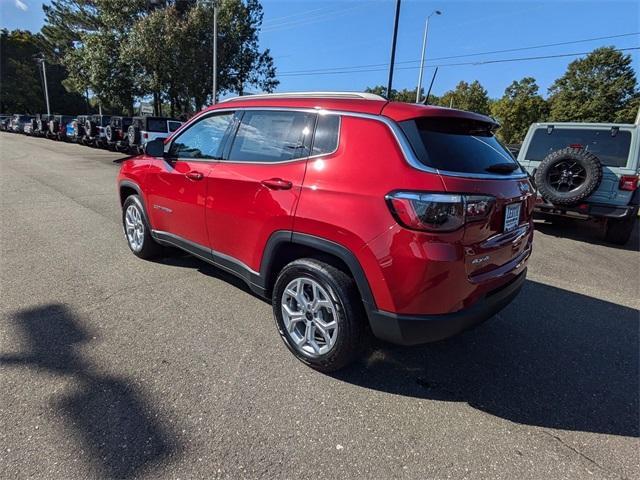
(136, 229)
(618, 231)
(319, 314)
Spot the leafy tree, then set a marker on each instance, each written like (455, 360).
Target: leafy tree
(404, 95)
(519, 107)
(21, 82)
(467, 96)
(597, 88)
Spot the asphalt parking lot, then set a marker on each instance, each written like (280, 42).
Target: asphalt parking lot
(113, 367)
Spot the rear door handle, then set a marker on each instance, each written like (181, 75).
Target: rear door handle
(277, 184)
(194, 175)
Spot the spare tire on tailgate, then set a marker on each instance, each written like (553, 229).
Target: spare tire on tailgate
(567, 176)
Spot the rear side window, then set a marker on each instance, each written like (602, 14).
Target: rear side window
(610, 146)
(457, 145)
(156, 125)
(203, 139)
(173, 126)
(325, 139)
(272, 136)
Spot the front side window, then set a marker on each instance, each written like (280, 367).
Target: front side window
(609, 145)
(273, 136)
(203, 139)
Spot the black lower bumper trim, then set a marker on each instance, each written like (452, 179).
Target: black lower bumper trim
(414, 330)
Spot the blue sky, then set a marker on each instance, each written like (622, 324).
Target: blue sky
(308, 35)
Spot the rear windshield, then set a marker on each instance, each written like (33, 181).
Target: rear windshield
(457, 145)
(609, 145)
(24, 118)
(156, 125)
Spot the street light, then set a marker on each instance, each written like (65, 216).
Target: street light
(214, 82)
(40, 59)
(424, 49)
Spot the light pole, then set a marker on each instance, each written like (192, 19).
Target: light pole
(40, 60)
(214, 86)
(424, 49)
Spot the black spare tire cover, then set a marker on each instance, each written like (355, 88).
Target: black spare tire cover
(567, 176)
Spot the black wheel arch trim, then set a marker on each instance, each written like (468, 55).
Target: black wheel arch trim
(323, 245)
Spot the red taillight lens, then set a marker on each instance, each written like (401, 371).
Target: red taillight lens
(628, 182)
(145, 135)
(438, 212)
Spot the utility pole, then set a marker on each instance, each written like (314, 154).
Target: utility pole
(424, 49)
(214, 73)
(393, 49)
(44, 78)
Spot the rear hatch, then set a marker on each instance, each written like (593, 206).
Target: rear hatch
(498, 196)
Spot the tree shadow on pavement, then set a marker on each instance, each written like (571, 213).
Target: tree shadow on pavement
(553, 359)
(110, 415)
(584, 231)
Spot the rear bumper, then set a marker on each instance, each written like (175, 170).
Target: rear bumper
(588, 210)
(414, 330)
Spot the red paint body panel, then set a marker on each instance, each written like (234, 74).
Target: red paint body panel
(241, 213)
(341, 197)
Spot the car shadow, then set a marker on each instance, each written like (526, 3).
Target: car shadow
(552, 359)
(110, 416)
(588, 231)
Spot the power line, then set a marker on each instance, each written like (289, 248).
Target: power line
(314, 19)
(278, 20)
(464, 55)
(481, 62)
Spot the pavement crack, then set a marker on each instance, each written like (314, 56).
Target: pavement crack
(583, 455)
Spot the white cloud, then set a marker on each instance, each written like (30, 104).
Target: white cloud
(21, 5)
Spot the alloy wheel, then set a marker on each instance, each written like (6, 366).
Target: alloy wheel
(310, 317)
(134, 228)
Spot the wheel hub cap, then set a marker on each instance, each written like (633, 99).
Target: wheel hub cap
(310, 317)
(134, 228)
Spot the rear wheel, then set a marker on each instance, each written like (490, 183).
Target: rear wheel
(319, 314)
(136, 229)
(618, 231)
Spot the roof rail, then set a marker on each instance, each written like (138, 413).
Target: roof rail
(346, 95)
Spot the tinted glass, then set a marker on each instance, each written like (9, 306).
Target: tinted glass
(173, 126)
(268, 136)
(126, 122)
(326, 136)
(156, 125)
(612, 150)
(203, 139)
(456, 145)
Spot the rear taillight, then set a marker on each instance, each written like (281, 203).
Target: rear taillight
(628, 182)
(438, 212)
(145, 135)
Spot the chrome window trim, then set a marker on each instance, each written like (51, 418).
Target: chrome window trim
(397, 132)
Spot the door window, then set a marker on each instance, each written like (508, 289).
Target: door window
(273, 136)
(203, 139)
(326, 137)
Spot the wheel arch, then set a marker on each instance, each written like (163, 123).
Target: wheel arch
(284, 247)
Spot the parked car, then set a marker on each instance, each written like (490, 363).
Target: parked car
(144, 129)
(116, 133)
(4, 122)
(586, 171)
(349, 212)
(58, 126)
(41, 124)
(27, 128)
(69, 131)
(18, 122)
(78, 134)
(94, 130)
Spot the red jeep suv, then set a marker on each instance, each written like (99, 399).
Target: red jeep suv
(351, 213)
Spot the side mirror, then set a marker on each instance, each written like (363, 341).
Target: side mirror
(155, 148)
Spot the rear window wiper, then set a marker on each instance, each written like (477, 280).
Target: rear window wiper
(502, 167)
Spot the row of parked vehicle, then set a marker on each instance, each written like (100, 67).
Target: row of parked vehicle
(125, 134)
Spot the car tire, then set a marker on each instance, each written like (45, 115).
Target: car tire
(140, 241)
(578, 165)
(618, 231)
(341, 303)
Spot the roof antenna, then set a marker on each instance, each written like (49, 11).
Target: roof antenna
(426, 98)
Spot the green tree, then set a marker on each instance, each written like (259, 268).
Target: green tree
(467, 96)
(519, 107)
(404, 95)
(21, 81)
(597, 88)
